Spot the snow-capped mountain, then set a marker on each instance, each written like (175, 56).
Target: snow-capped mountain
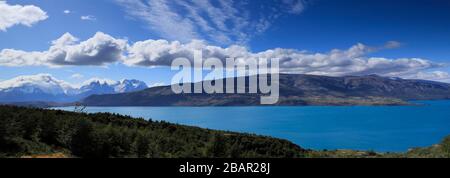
(33, 88)
(44, 87)
(97, 86)
(126, 86)
(104, 86)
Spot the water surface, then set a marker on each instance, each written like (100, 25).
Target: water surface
(379, 128)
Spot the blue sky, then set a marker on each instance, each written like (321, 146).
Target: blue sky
(403, 38)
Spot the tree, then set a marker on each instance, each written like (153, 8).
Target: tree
(86, 142)
(217, 148)
(446, 146)
(142, 145)
(25, 131)
(235, 150)
(10, 131)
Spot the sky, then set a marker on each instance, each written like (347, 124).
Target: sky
(75, 40)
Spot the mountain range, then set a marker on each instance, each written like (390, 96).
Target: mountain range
(294, 90)
(46, 88)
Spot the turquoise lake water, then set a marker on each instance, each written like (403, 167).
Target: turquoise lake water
(379, 128)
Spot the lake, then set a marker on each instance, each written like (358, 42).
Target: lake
(379, 128)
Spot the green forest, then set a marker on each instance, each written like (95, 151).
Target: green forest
(33, 131)
(28, 131)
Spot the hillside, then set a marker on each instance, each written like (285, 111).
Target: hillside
(27, 131)
(294, 90)
(39, 133)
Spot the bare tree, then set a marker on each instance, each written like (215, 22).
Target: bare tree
(79, 107)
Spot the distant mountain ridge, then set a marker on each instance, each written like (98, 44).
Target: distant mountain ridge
(294, 90)
(46, 88)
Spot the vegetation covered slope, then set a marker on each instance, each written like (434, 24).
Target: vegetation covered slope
(27, 131)
(294, 90)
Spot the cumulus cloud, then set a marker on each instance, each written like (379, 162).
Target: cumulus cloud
(17, 14)
(352, 61)
(162, 52)
(101, 49)
(222, 22)
(66, 11)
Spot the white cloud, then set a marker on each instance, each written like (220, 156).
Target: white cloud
(159, 17)
(222, 21)
(66, 11)
(88, 17)
(101, 49)
(294, 6)
(392, 44)
(352, 61)
(77, 76)
(157, 84)
(439, 76)
(27, 15)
